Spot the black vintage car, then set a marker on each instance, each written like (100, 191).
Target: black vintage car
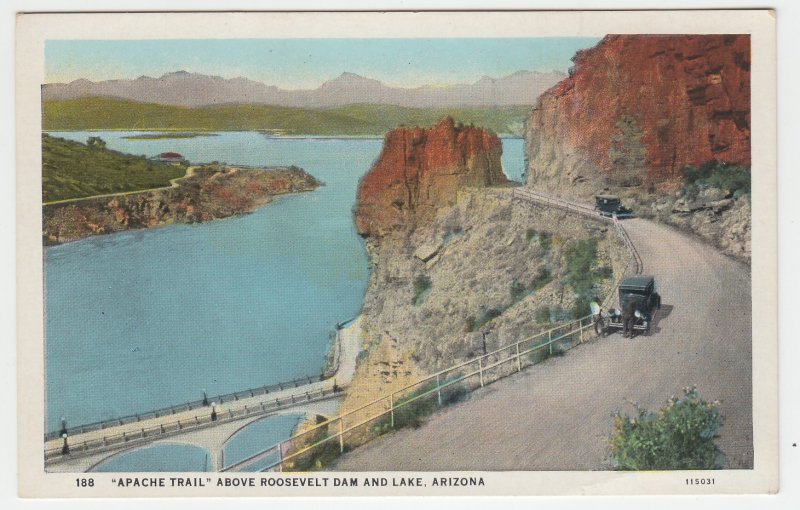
(641, 290)
(610, 205)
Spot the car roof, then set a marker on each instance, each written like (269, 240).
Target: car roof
(637, 283)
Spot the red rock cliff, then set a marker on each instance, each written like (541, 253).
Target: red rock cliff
(636, 109)
(420, 170)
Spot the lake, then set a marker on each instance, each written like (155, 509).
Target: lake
(145, 319)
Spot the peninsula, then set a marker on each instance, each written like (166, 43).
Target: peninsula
(206, 192)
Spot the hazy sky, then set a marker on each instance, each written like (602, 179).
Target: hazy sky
(306, 63)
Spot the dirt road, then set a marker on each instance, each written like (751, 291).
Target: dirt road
(558, 415)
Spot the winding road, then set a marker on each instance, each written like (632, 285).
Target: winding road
(558, 415)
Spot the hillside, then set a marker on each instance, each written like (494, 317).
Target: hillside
(96, 113)
(208, 193)
(182, 88)
(73, 170)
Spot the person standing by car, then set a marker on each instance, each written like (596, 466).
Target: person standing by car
(629, 318)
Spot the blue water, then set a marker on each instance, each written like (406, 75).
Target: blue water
(257, 436)
(145, 319)
(513, 159)
(158, 458)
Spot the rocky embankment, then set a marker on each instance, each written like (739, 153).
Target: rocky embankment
(210, 192)
(456, 260)
(634, 113)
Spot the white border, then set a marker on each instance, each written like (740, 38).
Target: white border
(788, 183)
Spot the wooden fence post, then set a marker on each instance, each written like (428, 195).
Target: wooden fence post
(341, 435)
(480, 369)
(519, 362)
(550, 341)
(439, 390)
(391, 408)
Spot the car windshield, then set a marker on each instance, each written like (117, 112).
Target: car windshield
(628, 295)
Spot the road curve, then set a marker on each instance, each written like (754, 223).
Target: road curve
(558, 415)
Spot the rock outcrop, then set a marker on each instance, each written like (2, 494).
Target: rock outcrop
(211, 192)
(421, 170)
(498, 275)
(459, 266)
(637, 109)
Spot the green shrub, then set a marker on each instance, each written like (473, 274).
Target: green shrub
(733, 179)
(413, 409)
(543, 315)
(581, 308)
(604, 272)
(681, 435)
(486, 315)
(518, 290)
(581, 256)
(318, 457)
(545, 240)
(422, 287)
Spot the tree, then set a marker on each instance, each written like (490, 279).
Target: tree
(681, 435)
(96, 142)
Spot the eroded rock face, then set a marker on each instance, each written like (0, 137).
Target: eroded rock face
(421, 170)
(636, 109)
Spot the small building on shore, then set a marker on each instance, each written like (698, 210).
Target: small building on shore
(169, 157)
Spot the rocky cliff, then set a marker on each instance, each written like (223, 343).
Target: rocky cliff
(637, 109)
(634, 113)
(421, 170)
(458, 266)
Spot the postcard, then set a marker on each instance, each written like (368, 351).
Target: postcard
(432, 253)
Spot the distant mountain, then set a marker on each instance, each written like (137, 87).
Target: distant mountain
(182, 88)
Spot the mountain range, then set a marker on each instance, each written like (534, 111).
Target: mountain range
(182, 88)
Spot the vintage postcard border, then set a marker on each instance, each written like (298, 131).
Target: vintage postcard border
(34, 29)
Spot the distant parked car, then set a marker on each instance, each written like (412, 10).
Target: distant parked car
(610, 205)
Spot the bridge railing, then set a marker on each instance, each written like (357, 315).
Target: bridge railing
(200, 420)
(188, 406)
(316, 445)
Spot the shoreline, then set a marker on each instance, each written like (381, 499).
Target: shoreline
(219, 193)
(200, 133)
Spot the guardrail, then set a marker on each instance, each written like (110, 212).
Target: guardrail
(188, 406)
(585, 210)
(153, 433)
(358, 426)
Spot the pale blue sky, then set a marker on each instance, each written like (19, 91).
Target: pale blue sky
(306, 63)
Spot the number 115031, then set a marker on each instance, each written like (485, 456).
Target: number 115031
(699, 481)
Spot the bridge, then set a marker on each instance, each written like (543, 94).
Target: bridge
(207, 423)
